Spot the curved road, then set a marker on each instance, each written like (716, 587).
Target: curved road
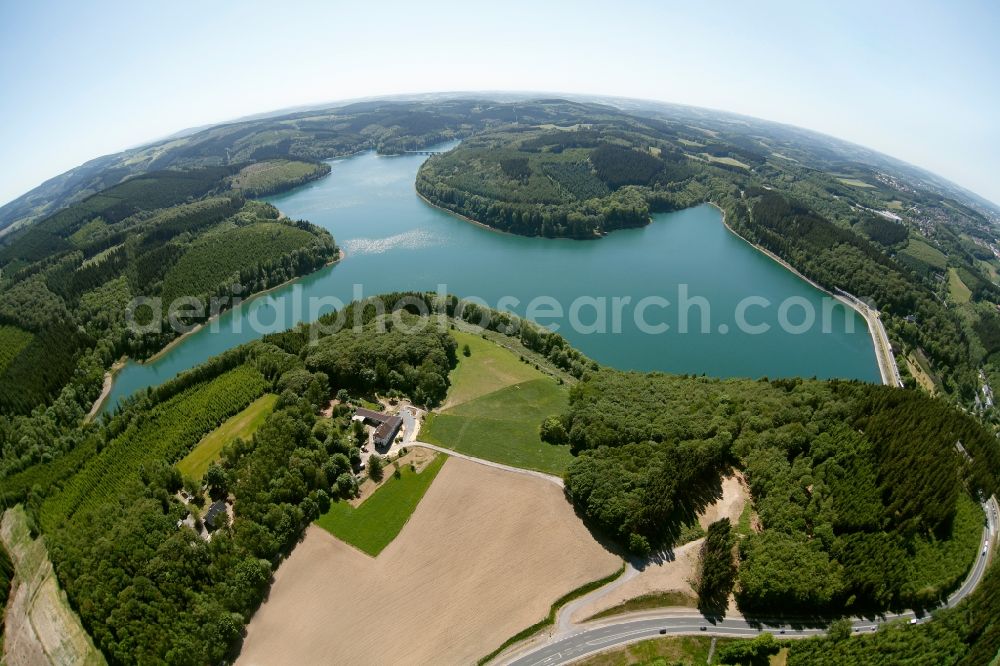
(563, 647)
(570, 642)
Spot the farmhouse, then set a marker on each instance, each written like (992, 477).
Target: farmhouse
(386, 426)
(216, 513)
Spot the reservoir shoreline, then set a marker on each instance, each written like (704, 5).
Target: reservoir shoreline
(398, 241)
(880, 339)
(341, 255)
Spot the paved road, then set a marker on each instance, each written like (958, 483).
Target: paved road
(595, 637)
(564, 646)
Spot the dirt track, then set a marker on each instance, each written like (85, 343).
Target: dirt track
(673, 575)
(484, 555)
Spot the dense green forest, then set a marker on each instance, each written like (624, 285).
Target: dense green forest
(415, 363)
(150, 590)
(967, 635)
(863, 498)
(63, 317)
(263, 178)
(858, 486)
(716, 571)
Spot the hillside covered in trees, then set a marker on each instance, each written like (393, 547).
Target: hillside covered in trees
(839, 213)
(864, 501)
(150, 589)
(66, 284)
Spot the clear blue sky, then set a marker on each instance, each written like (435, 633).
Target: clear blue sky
(917, 80)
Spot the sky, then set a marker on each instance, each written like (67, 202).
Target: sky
(917, 80)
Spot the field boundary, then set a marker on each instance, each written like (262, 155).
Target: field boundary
(551, 618)
(372, 546)
(40, 626)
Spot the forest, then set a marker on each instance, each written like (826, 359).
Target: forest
(414, 363)
(967, 635)
(269, 177)
(72, 303)
(151, 591)
(841, 488)
(863, 499)
(859, 489)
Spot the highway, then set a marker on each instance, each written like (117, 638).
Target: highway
(571, 644)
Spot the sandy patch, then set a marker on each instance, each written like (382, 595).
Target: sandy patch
(678, 573)
(483, 556)
(730, 505)
(667, 576)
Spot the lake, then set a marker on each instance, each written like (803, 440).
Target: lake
(616, 294)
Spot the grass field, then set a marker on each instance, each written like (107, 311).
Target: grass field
(854, 182)
(926, 253)
(648, 602)
(502, 426)
(489, 368)
(924, 378)
(373, 525)
(494, 407)
(726, 160)
(12, 341)
(243, 425)
(989, 268)
(675, 650)
(956, 288)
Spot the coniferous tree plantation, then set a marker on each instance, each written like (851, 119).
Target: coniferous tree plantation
(864, 499)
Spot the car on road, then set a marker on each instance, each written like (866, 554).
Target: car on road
(663, 631)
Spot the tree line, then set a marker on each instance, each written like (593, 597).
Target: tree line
(859, 488)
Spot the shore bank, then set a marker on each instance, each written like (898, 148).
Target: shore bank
(880, 340)
(341, 255)
(465, 218)
(508, 233)
(109, 382)
(99, 405)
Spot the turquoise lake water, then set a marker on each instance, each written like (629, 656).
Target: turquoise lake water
(394, 241)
